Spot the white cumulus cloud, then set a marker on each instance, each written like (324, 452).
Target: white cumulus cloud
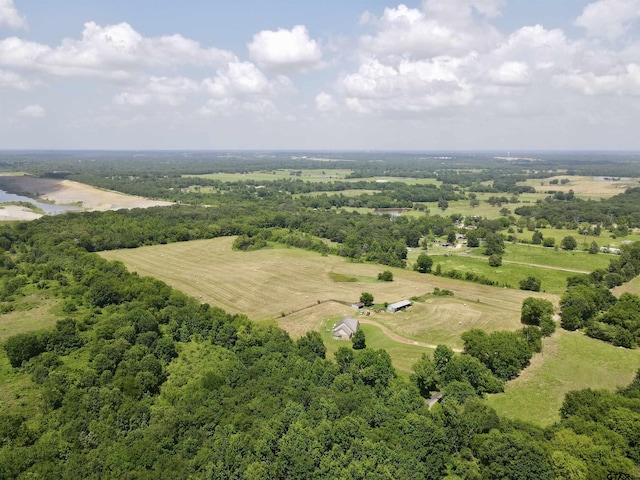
(442, 27)
(511, 73)
(409, 86)
(10, 17)
(114, 51)
(284, 50)
(325, 102)
(159, 90)
(32, 111)
(609, 18)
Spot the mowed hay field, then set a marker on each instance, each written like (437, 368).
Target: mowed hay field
(583, 186)
(295, 287)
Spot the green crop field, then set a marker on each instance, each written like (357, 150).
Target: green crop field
(569, 361)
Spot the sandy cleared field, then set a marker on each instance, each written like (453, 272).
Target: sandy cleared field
(15, 212)
(584, 186)
(66, 192)
(294, 287)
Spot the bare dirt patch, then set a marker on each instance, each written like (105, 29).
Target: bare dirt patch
(15, 212)
(67, 192)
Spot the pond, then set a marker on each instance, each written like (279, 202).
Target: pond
(48, 208)
(394, 212)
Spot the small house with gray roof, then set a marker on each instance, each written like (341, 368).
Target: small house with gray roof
(345, 328)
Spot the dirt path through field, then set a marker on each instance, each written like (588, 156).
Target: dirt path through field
(397, 338)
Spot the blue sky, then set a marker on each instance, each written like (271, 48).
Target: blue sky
(320, 74)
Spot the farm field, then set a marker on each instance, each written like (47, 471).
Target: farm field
(575, 260)
(583, 186)
(313, 175)
(569, 361)
(509, 274)
(266, 284)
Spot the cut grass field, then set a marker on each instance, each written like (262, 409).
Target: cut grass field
(270, 283)
(569, 361)
(583, 186)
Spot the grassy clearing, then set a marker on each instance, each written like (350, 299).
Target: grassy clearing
(341, 277)
(31, 313)
(312, 175)
(441, 320)
(17, 390)
(509, 274)
(569, 361)
(576, 260)
(402, 356)
(344, 193)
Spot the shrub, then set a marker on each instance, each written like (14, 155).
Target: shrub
(530, 283)
(495, 261)
(385, 276)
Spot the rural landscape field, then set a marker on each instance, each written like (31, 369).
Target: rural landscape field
(217, 264)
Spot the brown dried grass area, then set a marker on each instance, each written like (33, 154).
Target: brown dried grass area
(266, 283)
(584, 186)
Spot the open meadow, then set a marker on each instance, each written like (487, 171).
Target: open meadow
(583, 186)
(569, 361)
(298, 288)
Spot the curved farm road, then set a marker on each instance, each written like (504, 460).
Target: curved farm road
(397, 338)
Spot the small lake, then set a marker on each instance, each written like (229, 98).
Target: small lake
(394, 212)
(611, 179)
(48, 208)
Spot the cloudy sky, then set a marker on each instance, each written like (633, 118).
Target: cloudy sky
(320, 74)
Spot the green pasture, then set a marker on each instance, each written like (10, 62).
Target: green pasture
(311, 175)
(344, 193)
(442, 320)
(569, 361)
(509, 274)
(538, 255)
(341, 277)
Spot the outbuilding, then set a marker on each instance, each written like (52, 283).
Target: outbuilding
(394, 307)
